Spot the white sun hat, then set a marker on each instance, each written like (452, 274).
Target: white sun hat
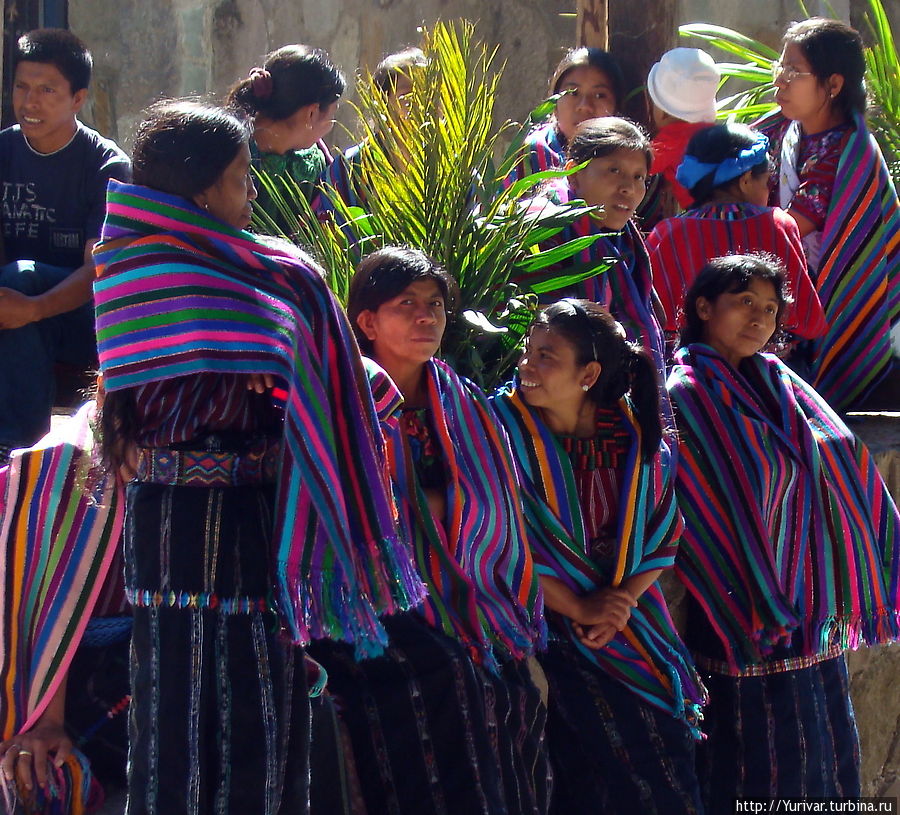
(684, 84)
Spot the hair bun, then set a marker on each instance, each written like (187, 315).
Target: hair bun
(261, 83)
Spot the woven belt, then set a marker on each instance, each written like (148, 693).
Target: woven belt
(776, 666)
(258, 464)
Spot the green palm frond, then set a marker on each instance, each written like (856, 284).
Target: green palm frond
(430, 179)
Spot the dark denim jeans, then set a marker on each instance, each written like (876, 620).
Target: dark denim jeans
(27, 354)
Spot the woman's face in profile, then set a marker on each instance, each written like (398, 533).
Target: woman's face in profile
(229, 198)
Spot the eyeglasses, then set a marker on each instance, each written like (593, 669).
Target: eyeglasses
(787, 73)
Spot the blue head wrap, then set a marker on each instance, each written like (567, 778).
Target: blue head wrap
(692, 170)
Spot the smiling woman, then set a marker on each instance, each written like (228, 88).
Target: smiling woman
(597, 479)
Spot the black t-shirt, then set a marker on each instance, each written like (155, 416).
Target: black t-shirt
(54, 204)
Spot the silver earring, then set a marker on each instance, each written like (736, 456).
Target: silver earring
(585, 388)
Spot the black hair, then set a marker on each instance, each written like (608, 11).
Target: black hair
(387, 272)
(584, 57)
(183, 146)
(298, 75)
(832, 47)
(715, 144)
(625, 368)
(395, 65)
(731, 274)
(595, 138)
(60, 48)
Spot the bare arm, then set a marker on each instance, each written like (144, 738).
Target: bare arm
(806, 226)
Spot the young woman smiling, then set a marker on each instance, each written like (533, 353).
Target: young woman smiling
(449, 719)
(789, 551)
(583, 417)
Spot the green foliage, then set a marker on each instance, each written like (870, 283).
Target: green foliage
(754, 66)
(429, 179)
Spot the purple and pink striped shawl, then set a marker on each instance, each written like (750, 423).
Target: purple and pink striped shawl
(544, 150)
(788, 525)
(648, 657)
(858, 279)
(482, 588)
(58, 540)
(179, 292)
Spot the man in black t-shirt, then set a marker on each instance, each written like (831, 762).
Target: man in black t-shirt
(53, 172)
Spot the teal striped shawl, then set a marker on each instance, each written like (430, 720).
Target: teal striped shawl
(648, 656)
(482, 587)
(788, 525)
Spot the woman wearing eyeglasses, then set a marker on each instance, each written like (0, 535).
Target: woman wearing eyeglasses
(583, 419)
(831, 177)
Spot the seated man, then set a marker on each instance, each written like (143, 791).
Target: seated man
(54, 172)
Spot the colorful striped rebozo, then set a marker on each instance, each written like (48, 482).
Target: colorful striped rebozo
(179, 292)
(58, 540)
(790, 532)
(858, 279)
(60, 525)
(483, 589)
(648, 657)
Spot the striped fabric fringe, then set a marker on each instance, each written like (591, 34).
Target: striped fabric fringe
(648, 657)
(858, 279)
(482, 587)
(178, 292)
(789, 526)
(58, 537)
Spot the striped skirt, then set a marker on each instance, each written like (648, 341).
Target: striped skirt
(219, 720)
(787, 734)
(433, 734)
(611, 752)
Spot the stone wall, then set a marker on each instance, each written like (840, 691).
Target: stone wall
(145, 49)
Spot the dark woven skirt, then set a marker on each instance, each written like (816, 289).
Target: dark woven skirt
(220, 712)
(788, 734)
(516, 718)
(611, 752)
(432, 734)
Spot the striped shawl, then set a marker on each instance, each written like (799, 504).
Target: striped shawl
(648, 656)
(58, 541)
(858, 279)
(482, 588)
(179, 293)
(789, 526)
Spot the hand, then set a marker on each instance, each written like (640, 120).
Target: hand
(594, 637)
(24, 757)
(260, 382)
(17, 309)
(607, 606)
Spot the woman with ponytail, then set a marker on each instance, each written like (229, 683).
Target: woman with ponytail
(583, 418)
(291, 101)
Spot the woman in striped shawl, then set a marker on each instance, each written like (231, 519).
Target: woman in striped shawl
(832, 179)
(584, 421)
(791, 549)
(449, 719)
(259, 502)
